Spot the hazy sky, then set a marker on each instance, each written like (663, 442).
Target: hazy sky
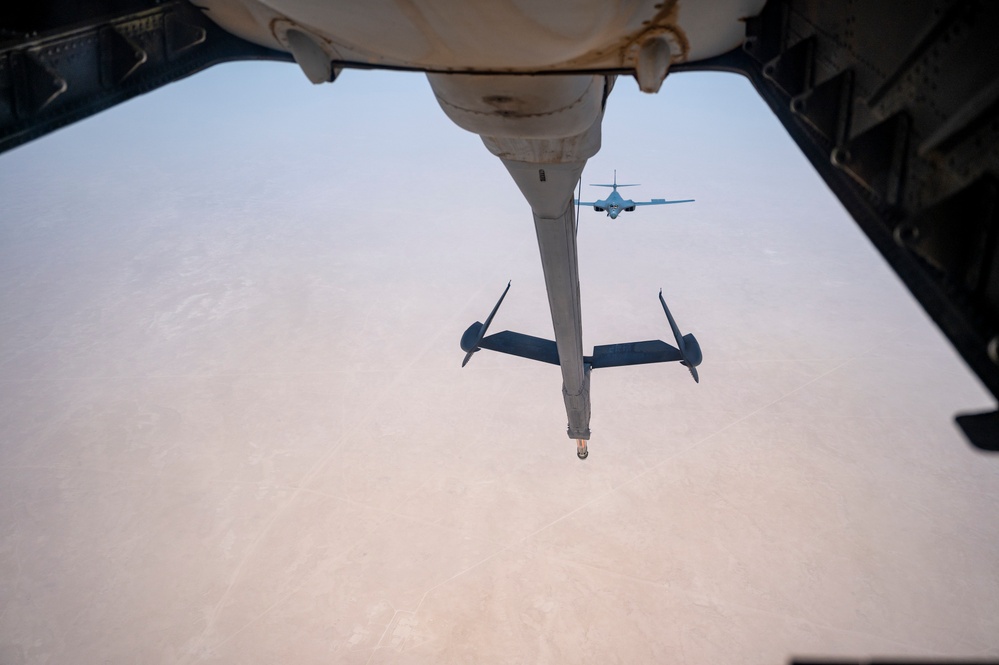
(233, 425)
(373, 155)
(372, 158)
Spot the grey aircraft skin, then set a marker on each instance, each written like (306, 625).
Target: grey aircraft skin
(615, 204)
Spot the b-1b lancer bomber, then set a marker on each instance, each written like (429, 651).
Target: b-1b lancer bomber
(615, 204)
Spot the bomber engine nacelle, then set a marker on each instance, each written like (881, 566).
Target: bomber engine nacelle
(599, 209)
(630, 209)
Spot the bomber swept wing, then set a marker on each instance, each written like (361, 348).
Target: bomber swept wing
(615, 204)
(660, 202)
